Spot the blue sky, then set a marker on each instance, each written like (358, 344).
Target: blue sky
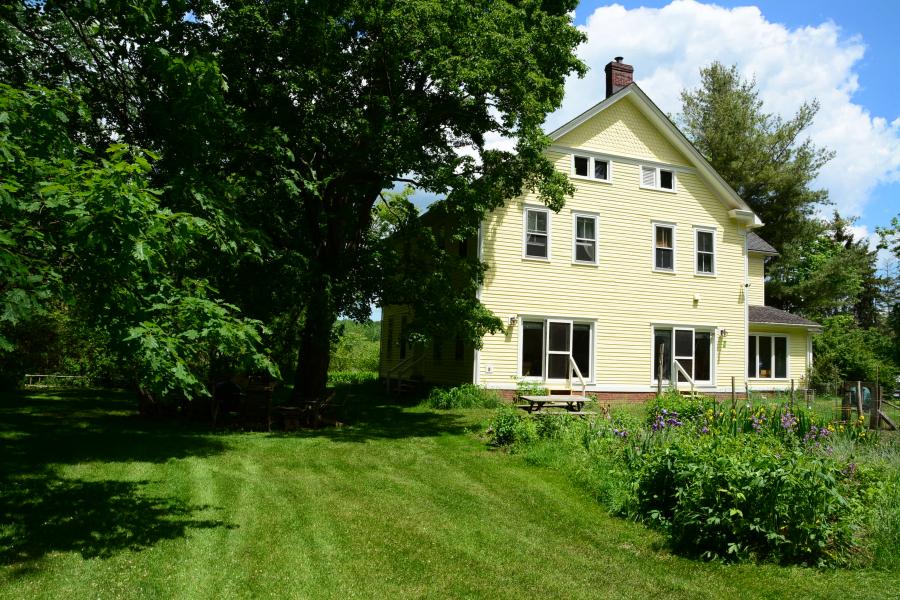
(847, 56)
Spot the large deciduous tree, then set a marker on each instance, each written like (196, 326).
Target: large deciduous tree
(282, 122)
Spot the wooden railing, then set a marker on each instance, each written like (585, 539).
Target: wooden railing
(34, 380)
(398, 370)
(573, 367)
(689, 379)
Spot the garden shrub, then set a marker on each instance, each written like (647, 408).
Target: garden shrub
(733, 498)
(530, 388)
(511, 427)
(671, 404)
(351, 377)
(463, 396)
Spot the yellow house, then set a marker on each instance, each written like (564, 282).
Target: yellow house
(653, 263)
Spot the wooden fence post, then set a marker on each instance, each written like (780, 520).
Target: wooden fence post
(733, 395)
(845, 404)
(859, 400)
(659, 363)
(875, 409)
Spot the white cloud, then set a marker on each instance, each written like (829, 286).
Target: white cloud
(668, 46)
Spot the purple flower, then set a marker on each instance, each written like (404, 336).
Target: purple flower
(788, 420)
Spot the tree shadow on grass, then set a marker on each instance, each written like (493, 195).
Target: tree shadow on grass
(41, 512)
(365, 413)
(77, 427)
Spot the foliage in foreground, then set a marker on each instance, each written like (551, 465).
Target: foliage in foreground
(754, 483)
(87, 233)
(748, 496)
(466, 395)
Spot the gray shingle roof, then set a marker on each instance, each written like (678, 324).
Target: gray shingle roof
(767, 314)
(759, 245)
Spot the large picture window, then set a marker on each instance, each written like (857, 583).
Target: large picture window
(547, 345)
(691, 348)
(767, 357)
(537, 233)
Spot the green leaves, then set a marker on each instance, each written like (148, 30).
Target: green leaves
(90, 231)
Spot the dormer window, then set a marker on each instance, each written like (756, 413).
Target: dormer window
(590, 167)
(657, 178)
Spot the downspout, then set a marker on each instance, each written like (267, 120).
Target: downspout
(476, 359)
(746, 340)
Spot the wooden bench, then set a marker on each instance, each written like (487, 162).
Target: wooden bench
(571, 404)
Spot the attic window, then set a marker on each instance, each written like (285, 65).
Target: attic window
(657, 178)
(590, 167)
(581, 165)
(666, 179)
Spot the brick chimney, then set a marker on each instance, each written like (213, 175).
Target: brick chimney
(618, 75)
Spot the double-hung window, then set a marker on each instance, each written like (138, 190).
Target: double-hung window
(548, 345)
(705, 245)
(687, 347)
(591, 168)
(657, 178)
(663, 247)
(585, 239)
(767, 357)
(537, 233)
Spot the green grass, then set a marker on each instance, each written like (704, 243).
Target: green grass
(400, 502)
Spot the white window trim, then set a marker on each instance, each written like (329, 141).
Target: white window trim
(715, 254)
(787, 355)
(654, 225)
(548, 351)
(596, 218)
(591, 160)
(713, 341)
(657, 179)
(592, 354)
(527, 208)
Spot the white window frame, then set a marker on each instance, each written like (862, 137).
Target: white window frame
(715, 259)
(548, 351)
(674, 228)
(575, 238)
(591, 169)
(787, 355)
(592, 349)
(525, 255)
(711, 330)
(657, 178)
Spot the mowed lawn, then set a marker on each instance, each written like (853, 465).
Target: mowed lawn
(401, 502)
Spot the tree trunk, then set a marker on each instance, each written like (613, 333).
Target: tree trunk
(311, 375)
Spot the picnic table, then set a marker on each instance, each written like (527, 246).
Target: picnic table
(572, 404)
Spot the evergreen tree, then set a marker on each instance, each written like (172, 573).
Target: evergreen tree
(768, 162)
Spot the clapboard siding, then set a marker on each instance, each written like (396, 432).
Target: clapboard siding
(757, 278)
(622, 294)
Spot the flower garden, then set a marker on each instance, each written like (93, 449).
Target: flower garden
(762, 481)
